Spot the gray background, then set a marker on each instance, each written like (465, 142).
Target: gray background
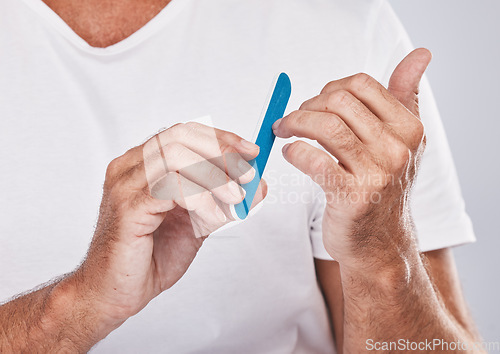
(464, 37)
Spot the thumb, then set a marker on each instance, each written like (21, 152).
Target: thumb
(406, 78)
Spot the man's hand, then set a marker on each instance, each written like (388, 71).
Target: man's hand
(160, 201)
(373, 139)
(143, 244)
(378, 138)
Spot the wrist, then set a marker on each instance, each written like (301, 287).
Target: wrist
(76, 314)
(402, 282)
(381, 274)
(378, 244)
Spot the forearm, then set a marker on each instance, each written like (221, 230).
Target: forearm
(396, 301)
(52, 319)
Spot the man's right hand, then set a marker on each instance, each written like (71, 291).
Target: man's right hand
(160, 201)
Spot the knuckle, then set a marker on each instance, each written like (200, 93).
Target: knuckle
(296, 118)
(116, 169)
(177, 126)
(402, 154)
(124, 167)
(310, 103)
(293, 115)
(230, 137)
(319, 164)
(226, 148)
(113, 168)
(327, 87)
(174, 130)
(172, 150)
(340, 98)
(190, 127)
(419, 130)
(295, 150)
(361, 82)
(213, 174)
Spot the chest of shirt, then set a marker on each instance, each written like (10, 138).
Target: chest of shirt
(64, 121)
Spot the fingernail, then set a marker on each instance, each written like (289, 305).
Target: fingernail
(234, 214)
(220, 214)
(277, 124)
(236, 190)
(285, 148)
(248, 145)
(247, 172)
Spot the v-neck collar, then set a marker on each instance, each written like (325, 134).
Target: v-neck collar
(156, 23)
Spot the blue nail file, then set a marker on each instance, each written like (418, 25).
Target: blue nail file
(265, 140)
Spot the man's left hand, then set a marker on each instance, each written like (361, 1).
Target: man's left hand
(377, 137)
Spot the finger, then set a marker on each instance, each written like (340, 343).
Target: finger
(384, 105)
(241, 145)
(147, 213)
(259, 196)
(159, 206)
(234, 165)
(177, 158)
(314, 162)
(199, 138)
(191, 197)
(227, 150)
(233, 153)
(405, 80)
(373, 95)
(207, 211)
(367, 127)
(330, 131)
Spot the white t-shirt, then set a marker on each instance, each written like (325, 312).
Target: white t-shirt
(67, 109)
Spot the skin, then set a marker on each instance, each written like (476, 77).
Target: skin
(142, 245)
(105, 22)
(380, 287)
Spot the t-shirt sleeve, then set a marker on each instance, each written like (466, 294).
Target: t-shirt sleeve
(437, 204)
